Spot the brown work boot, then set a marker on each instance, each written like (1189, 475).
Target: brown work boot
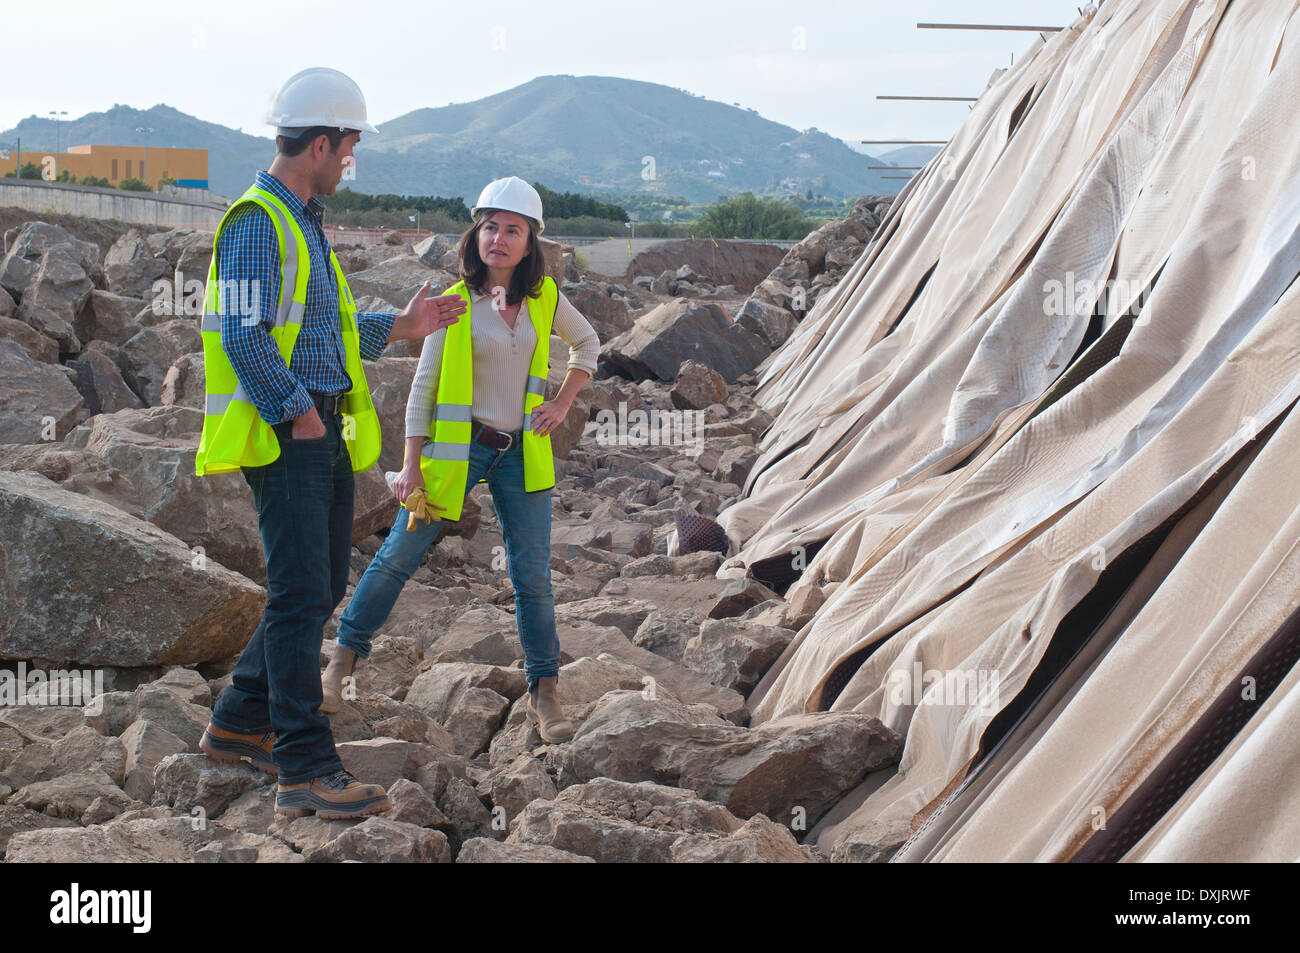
(331, 797)
(342, 664)
(230, 747)
(544, 708)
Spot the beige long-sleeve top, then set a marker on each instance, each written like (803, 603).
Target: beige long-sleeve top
(501, 361)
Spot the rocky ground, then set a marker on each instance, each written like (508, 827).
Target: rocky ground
(117, 558)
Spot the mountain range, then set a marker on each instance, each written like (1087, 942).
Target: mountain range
(598, 135)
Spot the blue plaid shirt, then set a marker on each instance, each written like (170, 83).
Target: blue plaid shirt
(248, 252)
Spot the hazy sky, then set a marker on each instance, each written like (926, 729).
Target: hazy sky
(808, 63)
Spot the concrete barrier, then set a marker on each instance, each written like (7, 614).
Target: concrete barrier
(141, 208)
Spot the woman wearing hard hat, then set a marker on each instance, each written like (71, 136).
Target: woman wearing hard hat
(477, 413)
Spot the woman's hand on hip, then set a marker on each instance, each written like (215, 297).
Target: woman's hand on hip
(547, 416)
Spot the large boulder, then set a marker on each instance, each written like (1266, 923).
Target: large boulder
(679, 330)
(154, 450)
(37, 345)
(397, 279)
(149, 353)
(794, 766)
(38, 401)
(129, 593)
(100, 383)
(55, 296)
(131, 267)
(771, 324)
(115, 318)
(613, 821)
(608, 315)
(28, 248)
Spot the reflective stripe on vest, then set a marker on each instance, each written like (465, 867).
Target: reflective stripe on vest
(234, 433)
(444, 459)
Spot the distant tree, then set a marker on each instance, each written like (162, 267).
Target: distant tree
(30, 170)
(747, 216)
(96, 182)
(66, 176)
(133, 185)
(574, 205)
(166, 180)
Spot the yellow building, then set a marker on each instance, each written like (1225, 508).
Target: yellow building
(151, 164)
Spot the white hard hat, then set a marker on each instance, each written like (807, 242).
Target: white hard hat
(318, 96)
(511, 194)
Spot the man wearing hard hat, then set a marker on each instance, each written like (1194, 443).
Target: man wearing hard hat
(287, 405)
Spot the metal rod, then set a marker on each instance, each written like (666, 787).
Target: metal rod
(989, 26)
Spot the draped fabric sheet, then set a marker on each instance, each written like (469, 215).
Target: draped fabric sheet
(1052, 402)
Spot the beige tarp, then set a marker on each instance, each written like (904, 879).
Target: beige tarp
(975, 461)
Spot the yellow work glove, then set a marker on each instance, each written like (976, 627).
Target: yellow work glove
(421, 510)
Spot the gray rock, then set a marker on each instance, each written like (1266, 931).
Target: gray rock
(131, 579)
(149, 353)
(676, 331)
(413, 805)
(114, 318)
(615, 821)
(85, 748)
(697, 386)
(484, 850)
(153, 449)
(738, 596)
(145, 745)
(100, 384)
(168, 710)
(69, 795)
(15, 820)
(760, 841)
(734, 653)
(39, 401)
(801, 763)
(379, 840)
(38, 346)
(515, 785)
(383, 760)
(187, 781)
(130, 267)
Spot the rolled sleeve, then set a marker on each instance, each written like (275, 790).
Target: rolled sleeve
(373, 328)
(576, 331)
(248, 257)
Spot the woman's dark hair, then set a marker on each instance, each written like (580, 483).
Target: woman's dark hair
(292, 147)
(528, 274)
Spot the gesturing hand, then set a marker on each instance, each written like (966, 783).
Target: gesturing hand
(423, 315)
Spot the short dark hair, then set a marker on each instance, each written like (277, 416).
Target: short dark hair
(292, 147)
(528, 274)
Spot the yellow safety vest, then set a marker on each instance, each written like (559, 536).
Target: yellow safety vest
(234, 433)
(444, 461)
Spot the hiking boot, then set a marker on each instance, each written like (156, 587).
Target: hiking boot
(342, 664)
(544, 708)
(231, 747)
(331, 797)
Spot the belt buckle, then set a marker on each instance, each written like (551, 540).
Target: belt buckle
(510, 440)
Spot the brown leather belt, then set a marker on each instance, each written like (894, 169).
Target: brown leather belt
(328, 404)
(496, 439)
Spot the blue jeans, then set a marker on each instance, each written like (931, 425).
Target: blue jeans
(304, 501)
(526, 525)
